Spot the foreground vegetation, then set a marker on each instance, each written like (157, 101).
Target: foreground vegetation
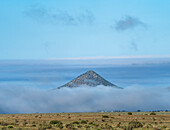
(100, 120)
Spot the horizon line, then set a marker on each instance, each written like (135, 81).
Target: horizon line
(110, 57)
(97, 57)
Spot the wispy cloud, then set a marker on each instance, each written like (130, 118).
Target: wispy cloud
(134, 46)
(128, 22)
(61, 17)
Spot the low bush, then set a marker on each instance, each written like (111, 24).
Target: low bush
(164, 127)
(10, 126)
(87, 126)
(69, 126)
(83, 122)
(135, 124)
(129, 113)
(13, 123)
(76, 122)
(152, 113)
(118, 125)
(148, 126)
(55, 122)
(138, 110)
(48, 126)
(34, 125)
(59, 125)
(105, 116)
(44, 127)
(79, 126)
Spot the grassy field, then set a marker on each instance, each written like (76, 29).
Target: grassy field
(98, 120)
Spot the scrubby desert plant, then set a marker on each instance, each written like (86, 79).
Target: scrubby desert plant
(34, 125)
(105, 116)
(135, 124)
(83, 122)
(79, 126)
(138, 110)
(10, 127)
(59, 125)
(164, 127)
(55, 122)
(129, 113)
(152, 113)
(76, 122)
(148, 126)
(118, 125)
(69, 126)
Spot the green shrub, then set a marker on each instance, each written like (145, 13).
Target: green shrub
(24, 123)
(76, 122)
(148, 126)
(69, 126)
(34, 125)
(79, 126)
(55, 122)
(129, 113)
(13, 123)
(10, 126)
(59, 125)
(138, 110)
(118, 125)
(105, 116)
(135, 124)
(44, 127)
(90, 123)
(108, 127)
(83, 122)
(164, 127)
(152, 113)
(87, 126)
(48, 126)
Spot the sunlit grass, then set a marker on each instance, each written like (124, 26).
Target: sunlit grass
(96, 120)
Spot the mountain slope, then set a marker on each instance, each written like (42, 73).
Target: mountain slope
(89, 78)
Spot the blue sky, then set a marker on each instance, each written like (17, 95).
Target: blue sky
(47, 29)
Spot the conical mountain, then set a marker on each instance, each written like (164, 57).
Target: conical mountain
(89, 78)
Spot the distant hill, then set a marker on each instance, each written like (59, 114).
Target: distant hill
(91, 79)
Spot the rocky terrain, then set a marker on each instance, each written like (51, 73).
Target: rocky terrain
(91, 79)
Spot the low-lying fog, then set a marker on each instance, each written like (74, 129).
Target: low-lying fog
(84, 99)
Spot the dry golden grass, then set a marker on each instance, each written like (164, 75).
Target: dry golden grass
(98, 120)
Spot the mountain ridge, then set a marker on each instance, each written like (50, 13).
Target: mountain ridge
(90, 78)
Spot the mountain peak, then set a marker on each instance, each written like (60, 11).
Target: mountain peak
(90, 71)
(90, 78)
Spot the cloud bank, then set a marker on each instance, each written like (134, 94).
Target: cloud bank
(61, 17)
(85, 99)
(127, 23)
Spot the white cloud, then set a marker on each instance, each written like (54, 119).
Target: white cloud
(85, 99)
